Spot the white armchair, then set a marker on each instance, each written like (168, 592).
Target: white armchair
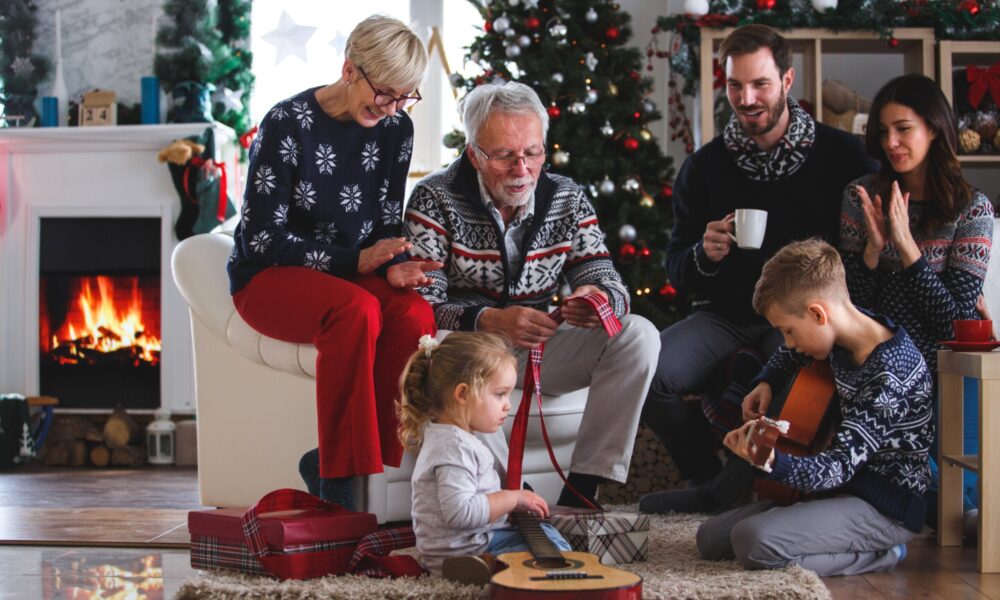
(256, 402)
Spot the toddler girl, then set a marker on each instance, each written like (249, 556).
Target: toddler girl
(450, 390)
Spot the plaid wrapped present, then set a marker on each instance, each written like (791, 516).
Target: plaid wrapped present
(288, 533)
(617, 538)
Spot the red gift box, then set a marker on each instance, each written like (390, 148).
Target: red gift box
(288, 533)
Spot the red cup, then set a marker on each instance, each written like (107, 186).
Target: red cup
(972, 330)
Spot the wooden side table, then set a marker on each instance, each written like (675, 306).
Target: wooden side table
(952, 367)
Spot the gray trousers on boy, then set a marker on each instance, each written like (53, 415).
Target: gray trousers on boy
(617, 370)
(842, 535)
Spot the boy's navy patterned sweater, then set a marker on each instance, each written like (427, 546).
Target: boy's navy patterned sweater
(941, 286)
(319, 190)
(880, 450)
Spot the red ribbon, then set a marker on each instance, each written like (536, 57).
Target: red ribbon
(208, 163)
(980, 79)
(533, 387)
(247, 137)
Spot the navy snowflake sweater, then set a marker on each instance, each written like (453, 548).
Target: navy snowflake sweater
(319, 190)
(881, 448)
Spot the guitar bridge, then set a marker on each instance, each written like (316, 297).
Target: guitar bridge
(557, 575)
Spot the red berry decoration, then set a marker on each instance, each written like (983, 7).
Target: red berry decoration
(667, 191)
(627, 252)
(488, 27)
(668, 292)
(766, 4)
(969, 6)
(634, 75)
(893, 42)
(611, 33)
(532, 23)
(645, 254)
(631, 144)
(637, 116)
(554, 111)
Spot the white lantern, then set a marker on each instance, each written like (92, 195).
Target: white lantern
(160, 439)
(696, 8)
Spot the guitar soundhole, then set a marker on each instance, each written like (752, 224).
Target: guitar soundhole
(552, 563)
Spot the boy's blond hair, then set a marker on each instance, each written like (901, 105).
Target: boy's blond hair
(430, 378)
(800, 272)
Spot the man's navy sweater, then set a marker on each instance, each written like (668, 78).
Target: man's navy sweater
(806, 204)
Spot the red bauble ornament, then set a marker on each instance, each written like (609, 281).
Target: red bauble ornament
(893, 42)
(488, 27)
(631, 144)
(611, 33)
(766, 4)
(532, 23)
(969, 6)
(668, 292)
(637, 116)
(553, 111)
(634, 74)
(627, 252)
(667, 191)
(645, 254)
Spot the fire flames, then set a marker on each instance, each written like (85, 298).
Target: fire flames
(102, 332)
(77, 581)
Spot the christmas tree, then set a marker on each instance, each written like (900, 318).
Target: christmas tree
(190, 46)
(574, 53)
(20, 68)
(236, 81)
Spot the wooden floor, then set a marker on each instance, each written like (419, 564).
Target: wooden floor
(49, 509)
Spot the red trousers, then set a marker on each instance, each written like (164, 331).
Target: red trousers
(364, 330)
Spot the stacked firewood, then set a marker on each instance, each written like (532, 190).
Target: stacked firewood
(97, 441)
(652, 469)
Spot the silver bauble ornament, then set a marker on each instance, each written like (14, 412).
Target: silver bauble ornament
(558, 30)
(591, 15)
(696, 8)
(824, 5)
(607, 130)
(501, 24)
(578, 108)
(513, 51)
(648, 107)
(627, 233)
(631, 185)
(524, 41)
(557, 77)
(513, 2)
(591, 96)
(606, 187)
(510, 32)
(456, 80)
(560, 158)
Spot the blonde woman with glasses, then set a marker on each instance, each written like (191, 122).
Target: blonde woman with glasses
(319, 257)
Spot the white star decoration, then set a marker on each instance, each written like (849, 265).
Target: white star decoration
(532, 4)
(339, 42)
(289, 39)
(231, 100)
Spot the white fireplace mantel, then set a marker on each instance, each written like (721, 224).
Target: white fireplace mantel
(91, 172)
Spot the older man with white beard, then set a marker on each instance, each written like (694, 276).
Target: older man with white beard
(508, 234)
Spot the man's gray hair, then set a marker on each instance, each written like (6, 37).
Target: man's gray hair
(510, 97)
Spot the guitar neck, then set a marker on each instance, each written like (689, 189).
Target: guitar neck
(539, 544)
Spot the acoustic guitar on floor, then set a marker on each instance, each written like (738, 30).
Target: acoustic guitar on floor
(546, 573)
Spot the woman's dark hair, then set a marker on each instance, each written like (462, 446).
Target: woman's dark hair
(945, 189)
(751, 38)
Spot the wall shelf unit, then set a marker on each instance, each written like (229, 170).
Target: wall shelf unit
(955, 53)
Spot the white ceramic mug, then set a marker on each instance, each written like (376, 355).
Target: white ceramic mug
(750, 224)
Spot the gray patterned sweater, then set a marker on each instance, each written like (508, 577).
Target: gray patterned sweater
(446, 221)
(880, 450)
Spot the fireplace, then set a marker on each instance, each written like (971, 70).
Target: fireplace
(107, 182)
(99, 312)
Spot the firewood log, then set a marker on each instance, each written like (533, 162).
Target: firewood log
(100, 455)
(55, 453)
(74, 428)
(77, 453)
(128, 456)
(120, 429)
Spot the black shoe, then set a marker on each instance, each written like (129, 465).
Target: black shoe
(309, 471)
(692, 500)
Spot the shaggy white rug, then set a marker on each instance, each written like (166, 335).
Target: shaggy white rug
(673, 570)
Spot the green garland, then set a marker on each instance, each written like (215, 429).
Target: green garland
(965, 20)
(20, 68)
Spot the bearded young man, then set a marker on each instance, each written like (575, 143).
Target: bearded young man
(508, 233)
(771, 156)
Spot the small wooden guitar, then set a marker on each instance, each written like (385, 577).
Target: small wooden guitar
(800, 422)
(547, 573)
